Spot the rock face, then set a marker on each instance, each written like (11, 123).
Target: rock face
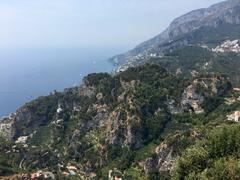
(198, 94)
(162, 160)
(193, 101)
(120, 132)
(234, 116)
(164, 157)
(201, 89)
(7, 128)
(177, 34)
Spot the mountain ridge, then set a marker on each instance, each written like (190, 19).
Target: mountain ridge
(227, 12)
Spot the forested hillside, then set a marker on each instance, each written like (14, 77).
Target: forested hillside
(139, 124)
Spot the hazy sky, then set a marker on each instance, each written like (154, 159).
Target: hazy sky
(87, 23)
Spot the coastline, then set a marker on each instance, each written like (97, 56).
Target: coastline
(30, 81)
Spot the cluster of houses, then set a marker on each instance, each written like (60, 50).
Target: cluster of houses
(228, 46)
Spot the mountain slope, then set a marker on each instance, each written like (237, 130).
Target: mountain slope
(204, 26)
(194, 60)
(175, 117)
(112, 124)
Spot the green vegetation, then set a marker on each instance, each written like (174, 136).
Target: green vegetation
(8, 162)
(216, 156)
(119, 124)
(203, 61)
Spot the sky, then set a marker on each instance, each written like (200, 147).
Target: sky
(87, 23)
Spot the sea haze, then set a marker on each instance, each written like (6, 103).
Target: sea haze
(28, 73)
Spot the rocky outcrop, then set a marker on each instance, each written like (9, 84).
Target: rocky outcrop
(200, 90)
(83, 90)
(7, 128)
(198, 94)
(191, 100)
(123, 129)
(235, 117)
(162, 160)
(99, 120)
(174, 107)
(86, 91)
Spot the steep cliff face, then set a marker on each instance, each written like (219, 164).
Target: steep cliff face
(161, 161)
(203, 26)
(164, 157)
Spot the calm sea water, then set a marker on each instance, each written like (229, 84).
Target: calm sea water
(27, 74)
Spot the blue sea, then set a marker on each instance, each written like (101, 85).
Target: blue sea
(26, 74)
